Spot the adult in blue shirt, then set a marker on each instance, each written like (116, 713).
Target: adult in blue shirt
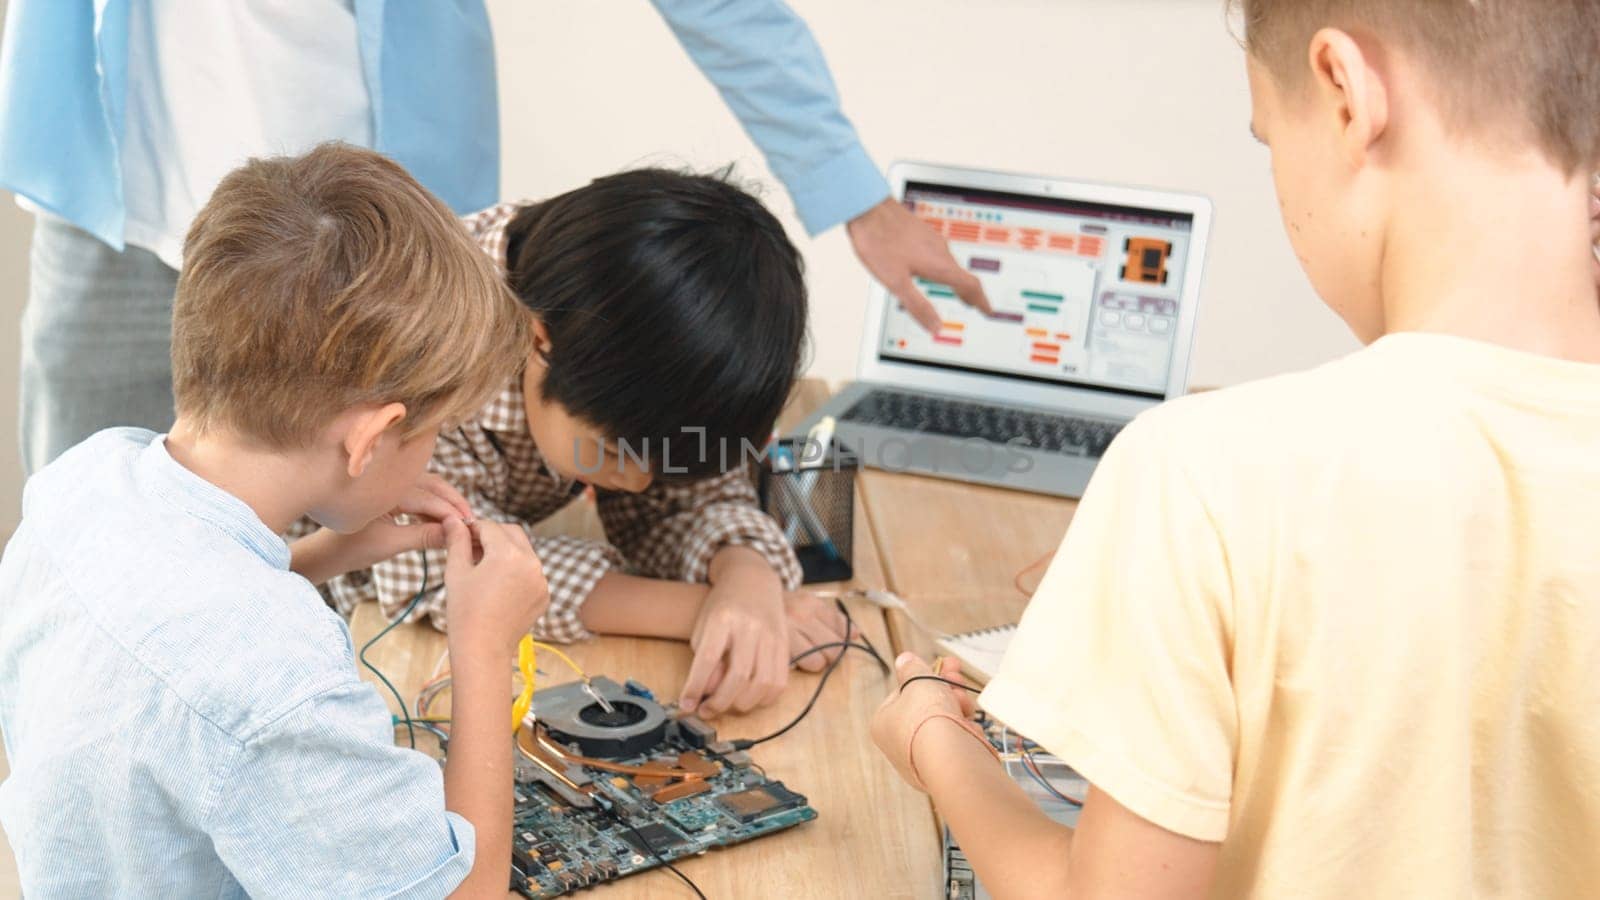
(118, 117)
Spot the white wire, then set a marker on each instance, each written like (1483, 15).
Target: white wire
(438, 667)
(885, 600)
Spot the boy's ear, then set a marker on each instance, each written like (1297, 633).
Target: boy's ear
(541, 339)
(1347, 81)
(361, 441)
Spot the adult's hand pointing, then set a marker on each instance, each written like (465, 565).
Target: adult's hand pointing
(896, 246)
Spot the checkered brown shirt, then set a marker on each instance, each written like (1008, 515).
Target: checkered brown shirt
(669, 531)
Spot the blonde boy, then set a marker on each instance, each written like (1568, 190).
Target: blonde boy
(1336, 634)
(181, 710)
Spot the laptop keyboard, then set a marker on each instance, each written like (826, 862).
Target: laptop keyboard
(997, 424)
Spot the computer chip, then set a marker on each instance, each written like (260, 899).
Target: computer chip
(762, 800)
(660, 838)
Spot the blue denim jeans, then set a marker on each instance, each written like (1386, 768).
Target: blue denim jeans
(96, 341)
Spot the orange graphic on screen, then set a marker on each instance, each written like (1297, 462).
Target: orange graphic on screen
(1147, 260)
(1033, 239)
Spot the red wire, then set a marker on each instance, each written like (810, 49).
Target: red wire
(1016, 580)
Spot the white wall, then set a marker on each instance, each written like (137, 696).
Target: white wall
(1138, 91)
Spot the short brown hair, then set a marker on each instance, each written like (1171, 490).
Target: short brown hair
(1491, 61)
(316, 283)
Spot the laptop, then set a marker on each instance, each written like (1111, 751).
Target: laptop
(1095, 290)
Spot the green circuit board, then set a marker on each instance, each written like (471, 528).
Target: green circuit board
(578, 825)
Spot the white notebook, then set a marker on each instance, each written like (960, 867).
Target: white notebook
(980, 651)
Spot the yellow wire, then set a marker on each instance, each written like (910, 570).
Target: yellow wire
(564, 658)
(527, 661)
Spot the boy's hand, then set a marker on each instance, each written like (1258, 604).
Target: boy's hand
(814, 622)
(429, 503)
(326, 554)
(740, 639)
(495, 596)
(899, 721)
(895, 245)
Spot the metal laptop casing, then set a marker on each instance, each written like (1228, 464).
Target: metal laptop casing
(1049, 473)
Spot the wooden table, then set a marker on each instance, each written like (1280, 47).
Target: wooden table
(873, 836)
(962, 556)
(954, 552)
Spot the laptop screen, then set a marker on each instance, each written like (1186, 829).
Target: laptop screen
(1084, 294)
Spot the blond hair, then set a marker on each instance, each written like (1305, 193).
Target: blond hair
(1533, 63)
(316, 283)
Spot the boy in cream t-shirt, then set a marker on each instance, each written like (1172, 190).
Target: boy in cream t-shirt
(1337, 634)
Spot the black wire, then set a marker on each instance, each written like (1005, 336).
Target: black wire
(405, 716)
(865, 647)
(942, 680)
(851, 626)
(645, 842)
(832, 644)
(822, 682)
(851, 630)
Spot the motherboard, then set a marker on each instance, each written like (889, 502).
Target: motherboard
(610, 783)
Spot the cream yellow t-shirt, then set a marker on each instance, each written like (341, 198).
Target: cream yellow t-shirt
(1346, 622)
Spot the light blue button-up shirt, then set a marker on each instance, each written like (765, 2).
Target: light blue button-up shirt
(182, 713)
(429, 69)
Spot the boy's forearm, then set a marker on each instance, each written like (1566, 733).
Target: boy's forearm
(1016, 850)
(478, 774)
(735, 561)
(654, 607)
(642, 607)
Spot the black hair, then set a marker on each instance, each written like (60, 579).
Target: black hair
(672, 300)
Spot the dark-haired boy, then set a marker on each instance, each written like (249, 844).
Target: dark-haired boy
(669, 314)
(1337, 634)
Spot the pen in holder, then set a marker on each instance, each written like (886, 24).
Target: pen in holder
(810, 490)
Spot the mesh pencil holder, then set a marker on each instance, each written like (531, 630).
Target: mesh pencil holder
(813, 501)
